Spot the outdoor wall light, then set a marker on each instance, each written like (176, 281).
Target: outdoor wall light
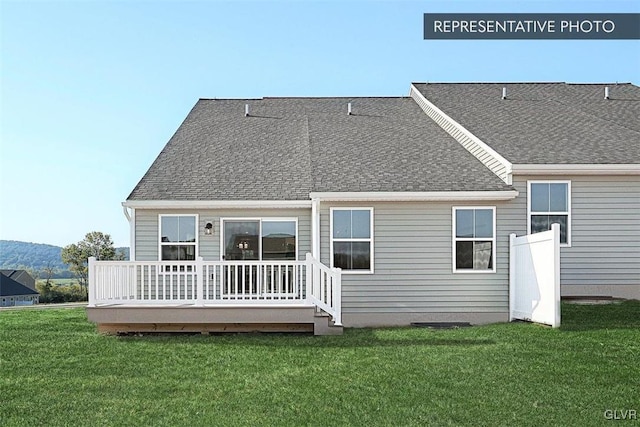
(208, 228)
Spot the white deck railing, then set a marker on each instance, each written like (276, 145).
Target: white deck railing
(326, 288)
(206, 283)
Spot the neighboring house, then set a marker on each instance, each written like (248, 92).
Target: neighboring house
(22, 277)
(17, 287)
(413, 198)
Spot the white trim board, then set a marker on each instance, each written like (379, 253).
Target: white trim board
(576, 169)
(373, 196)
(416, 196)
(218, 204)
(489, 157)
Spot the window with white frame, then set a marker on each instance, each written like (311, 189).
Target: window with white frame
(259, 239)
(178, 237)
(474, 239)
(352, 239)
(550, 202)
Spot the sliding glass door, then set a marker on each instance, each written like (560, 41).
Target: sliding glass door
(270, 239)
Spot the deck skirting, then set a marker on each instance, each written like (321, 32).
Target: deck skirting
(115, 319)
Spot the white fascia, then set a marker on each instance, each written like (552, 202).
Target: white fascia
(575, 169)
(217, 204)
(416, 196)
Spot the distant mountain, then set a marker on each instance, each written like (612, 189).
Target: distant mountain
(14, 254)
(36, 256)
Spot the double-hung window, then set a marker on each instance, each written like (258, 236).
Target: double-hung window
(474, 239)
(352, 239)
(178, 237)
(549, 202)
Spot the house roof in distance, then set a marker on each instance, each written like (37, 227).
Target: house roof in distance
(547, 123)
(20, 276)
(9, 287)
(287, 148)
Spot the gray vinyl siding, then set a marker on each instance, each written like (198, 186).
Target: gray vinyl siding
(413, 263)
(413, 247)
(209, 245)
(605, 230)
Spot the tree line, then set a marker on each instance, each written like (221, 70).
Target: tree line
(75, 258)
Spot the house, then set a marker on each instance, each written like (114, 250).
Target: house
(22, 277)
(17, 287)
(313, 213)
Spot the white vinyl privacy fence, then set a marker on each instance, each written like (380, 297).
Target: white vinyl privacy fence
(534, 277)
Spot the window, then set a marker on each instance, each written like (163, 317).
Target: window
(549, 202)
(474, 239)
(352, 239)
(278, 239)
(259, 239)
(178, 237)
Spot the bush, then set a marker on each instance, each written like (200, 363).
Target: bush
(52, 293)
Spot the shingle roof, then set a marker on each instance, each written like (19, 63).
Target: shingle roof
(289, 147)
(547, 123)
(9, 287)
(20, 276)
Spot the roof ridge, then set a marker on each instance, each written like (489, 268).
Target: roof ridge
(306, 97)
(486, 83)
(527, 83)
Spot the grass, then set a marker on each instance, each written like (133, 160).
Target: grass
(56, 370)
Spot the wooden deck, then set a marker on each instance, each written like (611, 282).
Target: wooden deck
(240, 318)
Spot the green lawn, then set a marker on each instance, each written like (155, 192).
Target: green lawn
(56, 370)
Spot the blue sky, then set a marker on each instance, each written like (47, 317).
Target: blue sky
(91, 91)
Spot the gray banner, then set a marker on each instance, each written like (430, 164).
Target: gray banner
(531, 26)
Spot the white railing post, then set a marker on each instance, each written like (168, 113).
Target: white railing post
(200, 281)
(317, 277)
(92, 282)
(309, 279)
(512, 275)
(337, 296)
